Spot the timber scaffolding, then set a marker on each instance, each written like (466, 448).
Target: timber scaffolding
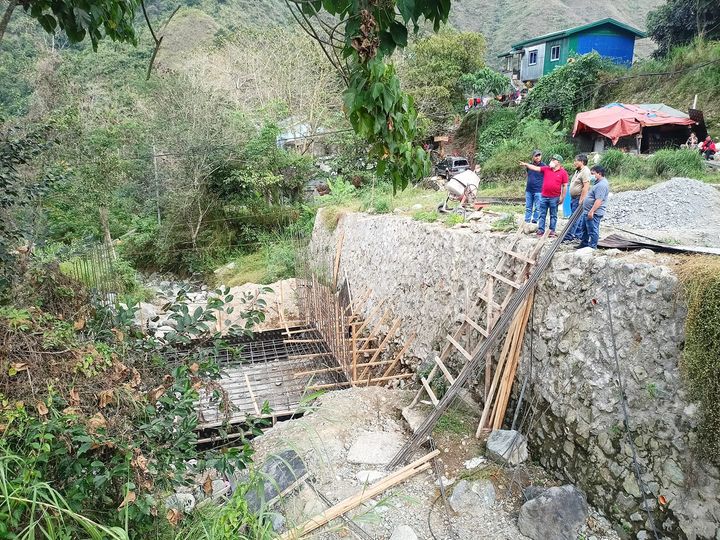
(276, 373)
(509, 318)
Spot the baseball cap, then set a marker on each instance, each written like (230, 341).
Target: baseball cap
(536, 153)
(558, 158)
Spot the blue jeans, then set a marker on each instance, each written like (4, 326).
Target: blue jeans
(590, 231)
(532, 202)
(545, 204)
(576, 232)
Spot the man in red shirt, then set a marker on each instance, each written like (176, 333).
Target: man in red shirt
(555, 181)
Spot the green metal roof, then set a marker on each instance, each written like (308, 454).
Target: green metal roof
(578, 29)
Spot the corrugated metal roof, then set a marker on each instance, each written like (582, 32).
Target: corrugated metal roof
(578, 29)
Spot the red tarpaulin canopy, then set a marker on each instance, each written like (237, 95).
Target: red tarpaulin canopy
(620, 120)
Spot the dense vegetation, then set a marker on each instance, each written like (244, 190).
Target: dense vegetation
(701, 357)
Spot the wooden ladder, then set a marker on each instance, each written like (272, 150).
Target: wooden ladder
(509, 274)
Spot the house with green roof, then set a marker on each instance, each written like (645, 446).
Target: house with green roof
(531, 59)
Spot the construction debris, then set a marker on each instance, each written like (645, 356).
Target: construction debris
(369, 492)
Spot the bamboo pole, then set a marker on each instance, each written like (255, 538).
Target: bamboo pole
(510, 343)
(503, 397)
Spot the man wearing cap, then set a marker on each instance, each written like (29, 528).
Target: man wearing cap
(533, 188)
(579, 187)
(555, 180)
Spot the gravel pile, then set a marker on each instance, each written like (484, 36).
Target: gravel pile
(681, 204)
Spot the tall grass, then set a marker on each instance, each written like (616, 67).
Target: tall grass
(661, 164)
(31, 509)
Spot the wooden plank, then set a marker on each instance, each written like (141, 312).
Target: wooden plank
(505, 280)
(356, 500)
(459, 347)
(303, 341)
(312, 355)
(252, 394)
(504, 395)
(381, 347)
(372, 381)
(476, 326)
(489, 321)
(429, 391)
(519, 256)
(338, 251)
(444, 369)
(374, 312)
(399, 355)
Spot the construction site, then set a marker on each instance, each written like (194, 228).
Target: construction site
(431, 382)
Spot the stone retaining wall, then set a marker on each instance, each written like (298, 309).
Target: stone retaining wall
(430, 275)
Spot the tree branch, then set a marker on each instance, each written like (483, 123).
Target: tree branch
(6, 17)
(157, 41)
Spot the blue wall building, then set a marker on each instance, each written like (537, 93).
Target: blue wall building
(531, 59)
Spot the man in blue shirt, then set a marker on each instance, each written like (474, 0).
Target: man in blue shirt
(594, 207)
(533, 188)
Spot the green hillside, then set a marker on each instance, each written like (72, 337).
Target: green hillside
(688, 71)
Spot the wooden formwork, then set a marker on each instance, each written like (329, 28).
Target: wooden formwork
(360, 345)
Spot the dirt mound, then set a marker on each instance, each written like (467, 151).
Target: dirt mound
(679, 204)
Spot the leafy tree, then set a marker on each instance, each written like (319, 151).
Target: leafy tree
(484, 81)
(678, 22)
(17, 151)
(95, 19)
(433, 71)
(378, 110)
(561, 93)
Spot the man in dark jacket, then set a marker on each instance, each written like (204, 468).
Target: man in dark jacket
(533, 188)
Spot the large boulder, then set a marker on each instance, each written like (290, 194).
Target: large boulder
(472, 497)
(557, 513)
(507, 447)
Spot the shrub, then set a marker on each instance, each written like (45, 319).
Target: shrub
(562, 92)
(454, 219)
(612, 160)
(502, 162)
(667, 163)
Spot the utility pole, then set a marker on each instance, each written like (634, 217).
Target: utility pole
(157, 185)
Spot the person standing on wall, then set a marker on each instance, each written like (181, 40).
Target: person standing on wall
(579, 187)
(594, 208)
(555, 181)
(532, 189)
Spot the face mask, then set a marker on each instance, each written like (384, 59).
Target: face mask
(593, 178)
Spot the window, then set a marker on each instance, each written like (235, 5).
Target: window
(461, 163)
(532, 57)
(555, 53)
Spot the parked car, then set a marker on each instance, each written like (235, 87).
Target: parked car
(451, 165)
